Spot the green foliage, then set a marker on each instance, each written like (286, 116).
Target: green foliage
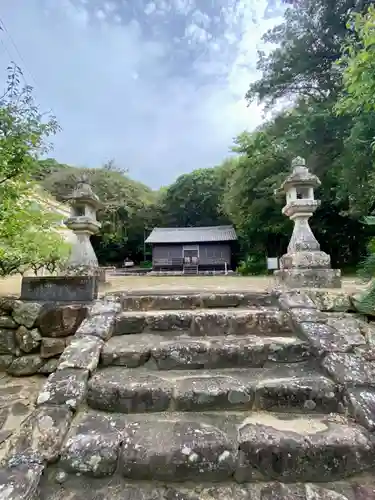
(367, 269)
(248, 199)
(358, 61)
(357, 99)
(194, 199)
(27, 236)
(24, 131)
(308, 44)
(366, 303)
(145, 264)
(252, 265)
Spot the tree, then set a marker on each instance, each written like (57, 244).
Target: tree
(195, 199)
(357, 99)
(27, 235)
(308, 45)
(111, 166)
(249, 196)
(358, 61)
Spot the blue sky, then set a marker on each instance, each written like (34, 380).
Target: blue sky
(156, 85)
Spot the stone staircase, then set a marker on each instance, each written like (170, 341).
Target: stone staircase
(203, 397)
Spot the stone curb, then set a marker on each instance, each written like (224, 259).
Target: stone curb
(345, 354)
(119, 489)
(150, 392)
(42, 433)
(184, 300)
(244, 321)
(201, 448)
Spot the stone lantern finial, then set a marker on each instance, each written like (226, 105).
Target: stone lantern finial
(83, 193)
(304, 264)
(298, 162)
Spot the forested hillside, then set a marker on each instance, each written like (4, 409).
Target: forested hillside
(322, 76)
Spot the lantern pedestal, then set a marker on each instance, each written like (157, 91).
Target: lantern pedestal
(308, 278)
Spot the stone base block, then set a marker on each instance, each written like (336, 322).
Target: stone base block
(308, 278)
(306, 259)
(60, 288)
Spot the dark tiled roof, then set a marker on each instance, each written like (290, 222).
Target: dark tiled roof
(192, 234)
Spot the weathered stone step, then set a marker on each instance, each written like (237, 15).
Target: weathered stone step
(286, 387)
(145, 301)
(161, 352)
(118, 488)
(240, 321)
(217, 447)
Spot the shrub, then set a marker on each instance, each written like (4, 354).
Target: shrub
(252, 265)
(145, 264)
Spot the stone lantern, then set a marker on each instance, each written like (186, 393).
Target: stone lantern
(83, 222)
(304, 264)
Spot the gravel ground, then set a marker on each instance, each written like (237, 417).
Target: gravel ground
(175, 283)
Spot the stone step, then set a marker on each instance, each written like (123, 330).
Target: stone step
(119, 488)
(239, 321)
(146, 301)
(282, 387)
(217, 447)
(175, 352)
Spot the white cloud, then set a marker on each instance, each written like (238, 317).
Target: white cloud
(196, 34)
(201, 18)
(120, 94)
(162, 5)
(101, 15)
(150, 8)
(78, 14)
(183, 6)
(109, 7)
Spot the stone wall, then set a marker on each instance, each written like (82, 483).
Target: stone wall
(344, 346)
(33, 335)
(41, 435)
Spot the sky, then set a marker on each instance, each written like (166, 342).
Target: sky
(156, 85)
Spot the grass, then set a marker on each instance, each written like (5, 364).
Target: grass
(12, 285)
